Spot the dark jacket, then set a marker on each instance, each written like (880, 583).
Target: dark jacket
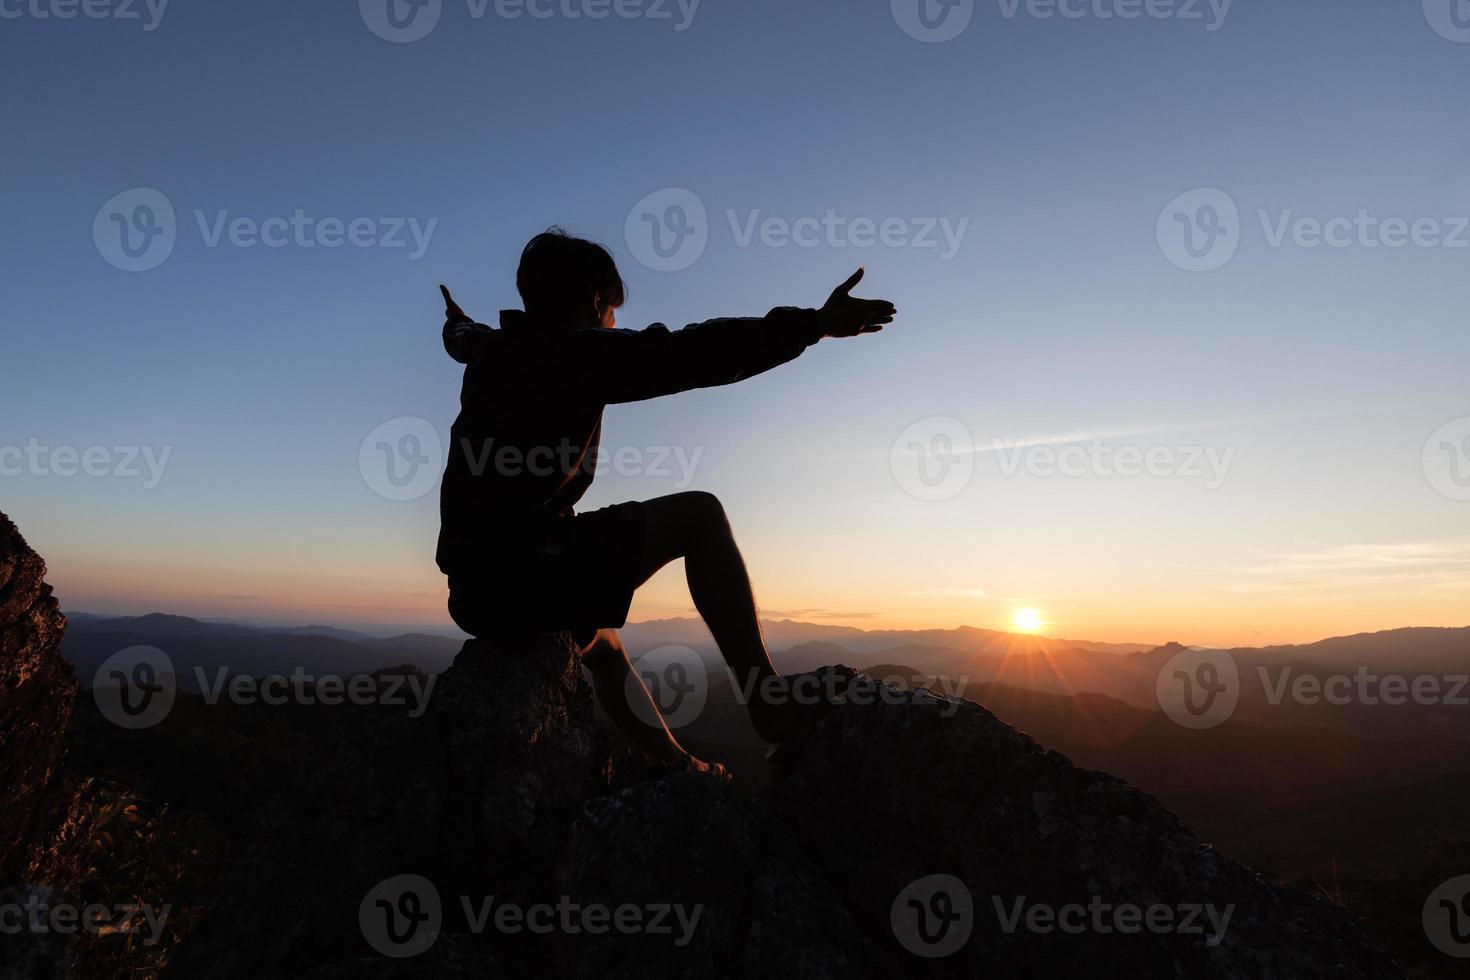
(524, 447)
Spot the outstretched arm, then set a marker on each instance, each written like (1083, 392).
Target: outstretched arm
(632, 365)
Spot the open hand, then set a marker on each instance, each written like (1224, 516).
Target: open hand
(452, 312)
(847, 316)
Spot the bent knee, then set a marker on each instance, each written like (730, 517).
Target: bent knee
(606, 648)
(706, 509)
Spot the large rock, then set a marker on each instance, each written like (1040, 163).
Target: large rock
(37, 690)
(886, 794)
(476, 795)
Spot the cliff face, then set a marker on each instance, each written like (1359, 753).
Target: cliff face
(894, 802)
(37, 690)
(908, 836)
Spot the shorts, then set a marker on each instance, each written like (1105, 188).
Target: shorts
(581, 579)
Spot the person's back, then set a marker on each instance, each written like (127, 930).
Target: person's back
(523, 451)
(519, 450)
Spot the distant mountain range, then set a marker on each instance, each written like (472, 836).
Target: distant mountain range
(257, 651)
(1127, 672)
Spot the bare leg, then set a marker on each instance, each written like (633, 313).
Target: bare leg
(693, 526)
(630, 707)
(607, 661)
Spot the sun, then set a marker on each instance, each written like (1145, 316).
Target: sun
(1027, 620)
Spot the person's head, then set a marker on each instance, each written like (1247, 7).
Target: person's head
(568, 281)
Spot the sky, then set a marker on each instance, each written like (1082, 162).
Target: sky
(1182, 289)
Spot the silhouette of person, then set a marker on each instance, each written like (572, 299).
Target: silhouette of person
(521, 562)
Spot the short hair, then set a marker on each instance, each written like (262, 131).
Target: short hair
(559, 272)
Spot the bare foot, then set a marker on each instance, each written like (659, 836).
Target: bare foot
(710, 768)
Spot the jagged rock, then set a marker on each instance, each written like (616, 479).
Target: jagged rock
(37, 690)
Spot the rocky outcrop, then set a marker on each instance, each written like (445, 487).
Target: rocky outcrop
(903, 834)
(37, 691)
(477, 795)
(888, 793)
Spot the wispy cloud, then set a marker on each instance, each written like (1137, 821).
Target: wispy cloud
(960, 593)
(1440, 564)
(815, 613)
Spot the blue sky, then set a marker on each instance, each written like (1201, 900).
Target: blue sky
(1055, 143)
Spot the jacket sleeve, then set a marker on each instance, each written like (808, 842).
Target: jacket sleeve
(464, 339)
(631, 365)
